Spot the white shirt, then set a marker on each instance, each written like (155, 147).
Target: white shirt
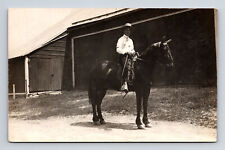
(125, 45)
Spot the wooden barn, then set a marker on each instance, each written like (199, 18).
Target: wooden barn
(38, 66)
(193, 44)
(40, 70)
(64, 62)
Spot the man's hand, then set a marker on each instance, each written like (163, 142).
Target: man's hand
(137, 54)
(131, 53)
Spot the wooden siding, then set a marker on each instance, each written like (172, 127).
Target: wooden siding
(55, 49)
(46, 67)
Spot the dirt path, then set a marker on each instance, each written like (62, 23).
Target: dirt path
(119, 128)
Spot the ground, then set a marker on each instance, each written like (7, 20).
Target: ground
(176, 114)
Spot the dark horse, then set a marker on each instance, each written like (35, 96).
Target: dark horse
(107, 75)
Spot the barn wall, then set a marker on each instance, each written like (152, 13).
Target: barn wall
(46, 67)
(16, 75)
(98, 48)
(193, 45)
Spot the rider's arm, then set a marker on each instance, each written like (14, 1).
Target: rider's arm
(132, 51)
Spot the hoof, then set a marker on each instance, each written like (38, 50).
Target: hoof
(148, 125)
(96, 123)
(141, 126)
(102, 122)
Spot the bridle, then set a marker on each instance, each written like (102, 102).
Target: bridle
(142, 59)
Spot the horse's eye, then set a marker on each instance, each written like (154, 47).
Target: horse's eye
(164, 48)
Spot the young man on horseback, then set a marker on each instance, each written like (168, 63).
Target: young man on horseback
(125, 47)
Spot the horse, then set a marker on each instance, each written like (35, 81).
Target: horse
(107, 75)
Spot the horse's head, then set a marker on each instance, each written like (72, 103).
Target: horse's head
(160, 52)
(164, 53)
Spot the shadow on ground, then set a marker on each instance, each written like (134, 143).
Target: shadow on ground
(107, 126)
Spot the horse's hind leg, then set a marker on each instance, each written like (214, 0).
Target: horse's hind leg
(92, 93)
(102, 121)
(101, 95)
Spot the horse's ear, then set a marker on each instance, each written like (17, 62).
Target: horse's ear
(168, 41)
(156, 44)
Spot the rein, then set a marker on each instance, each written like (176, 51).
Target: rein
(142, 59)
(143, 53)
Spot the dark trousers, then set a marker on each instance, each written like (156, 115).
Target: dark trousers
(128, 69)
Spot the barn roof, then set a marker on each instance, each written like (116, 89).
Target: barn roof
(78, 16)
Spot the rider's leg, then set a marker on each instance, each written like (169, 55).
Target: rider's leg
(124, 86)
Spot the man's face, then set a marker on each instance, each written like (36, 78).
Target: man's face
(127, 31)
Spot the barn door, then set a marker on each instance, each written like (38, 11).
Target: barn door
(45, 74)
(56, 67)
(39, 74)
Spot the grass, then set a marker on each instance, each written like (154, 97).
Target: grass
(190, 104)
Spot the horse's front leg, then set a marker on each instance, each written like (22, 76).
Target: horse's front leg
(102, 121)
(146, 92)
(95, 117)
(139, 102)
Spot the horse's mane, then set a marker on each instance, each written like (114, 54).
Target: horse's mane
(149, 49)
(146, 50)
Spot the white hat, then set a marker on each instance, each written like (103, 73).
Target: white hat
(128, 25)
